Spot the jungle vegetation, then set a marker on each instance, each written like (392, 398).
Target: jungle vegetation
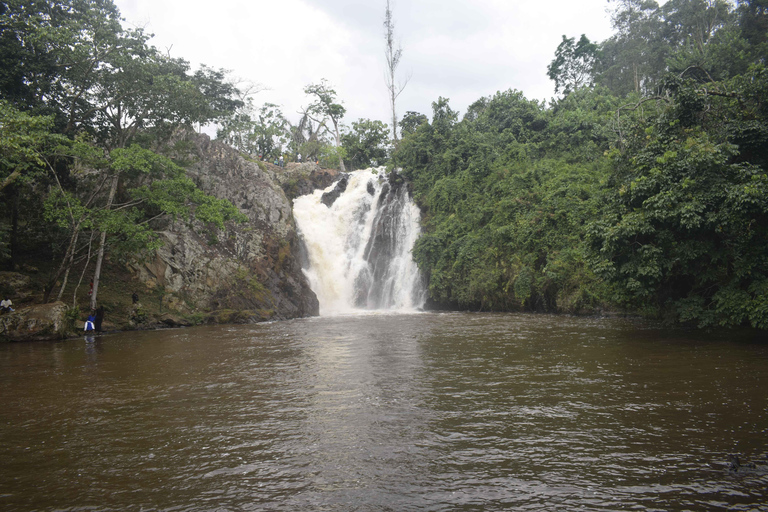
(642, 188)
(85, 105)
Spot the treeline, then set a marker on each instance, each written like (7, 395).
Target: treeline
(90, 164)
(87, 112)
(643, 187)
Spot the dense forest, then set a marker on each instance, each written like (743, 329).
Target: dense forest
(641, 188)
(86, 106)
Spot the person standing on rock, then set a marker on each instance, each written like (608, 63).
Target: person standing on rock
(99, 318)
(282, 161)
(298, 158)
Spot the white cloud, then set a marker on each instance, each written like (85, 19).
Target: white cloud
(459, 50)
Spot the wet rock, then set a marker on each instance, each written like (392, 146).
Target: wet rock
(300, 179)
(328, 198)
(170, 320)
(247, 266)
(36, 323)
(738, 467)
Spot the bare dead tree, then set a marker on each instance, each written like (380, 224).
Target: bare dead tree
(393, 55)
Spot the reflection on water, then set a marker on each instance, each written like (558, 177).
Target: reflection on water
(386, 412)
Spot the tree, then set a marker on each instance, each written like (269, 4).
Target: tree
(28, 70)
(144, 89)
(307, 137)
(25, 141)
(411, 121)
(324, 108)
(692, 23)
(155, 187)
(392, 56)
(365, 144)
(753, 20)
(270, 131)
(264, 132)
(104, 85)
(686, 231)
(573, 64)
(632, 60)
(503, 221)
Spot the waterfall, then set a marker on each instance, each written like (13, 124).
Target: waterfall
(358, 235)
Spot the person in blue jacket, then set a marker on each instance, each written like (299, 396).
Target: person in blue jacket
(89, 327)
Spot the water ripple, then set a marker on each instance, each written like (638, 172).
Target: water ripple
(386, 412)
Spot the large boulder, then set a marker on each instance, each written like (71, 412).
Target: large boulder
(253, 266)
(36, 323)
(328, 198)
(301, 179)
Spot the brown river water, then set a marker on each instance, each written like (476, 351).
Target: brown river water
(397, 412)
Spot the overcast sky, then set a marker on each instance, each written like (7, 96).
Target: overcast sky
(461, 50)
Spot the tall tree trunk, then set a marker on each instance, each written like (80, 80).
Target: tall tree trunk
(71, 248)
(342, 168)
(14, 227)
(637, 80)
(70, 258)
(392, 98)
(100, 256)
(82, 274)
(393, 53)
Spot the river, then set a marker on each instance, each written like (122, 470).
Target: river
(430, 411)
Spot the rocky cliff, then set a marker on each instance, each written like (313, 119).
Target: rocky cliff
(249, 271)
(246, 272)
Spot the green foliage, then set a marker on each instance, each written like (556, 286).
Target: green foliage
(72, 318)
(687, 229)
(328, 155)
(264, 132)
(504, 217)
(573, 63)
(25, 141)
(365, 143)
(411, 121)
(648, 191)
(324, 108)
(325, 101)
(100, 86)
(632, 60)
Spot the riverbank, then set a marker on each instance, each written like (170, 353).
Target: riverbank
(247, 272)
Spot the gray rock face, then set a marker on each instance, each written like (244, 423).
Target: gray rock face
(329, 198)
(300, 179)
(251, 267)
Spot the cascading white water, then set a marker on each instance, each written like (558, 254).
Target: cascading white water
(359, 242)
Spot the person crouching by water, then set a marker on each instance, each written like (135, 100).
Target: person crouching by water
(5, 306)
(89, 327)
